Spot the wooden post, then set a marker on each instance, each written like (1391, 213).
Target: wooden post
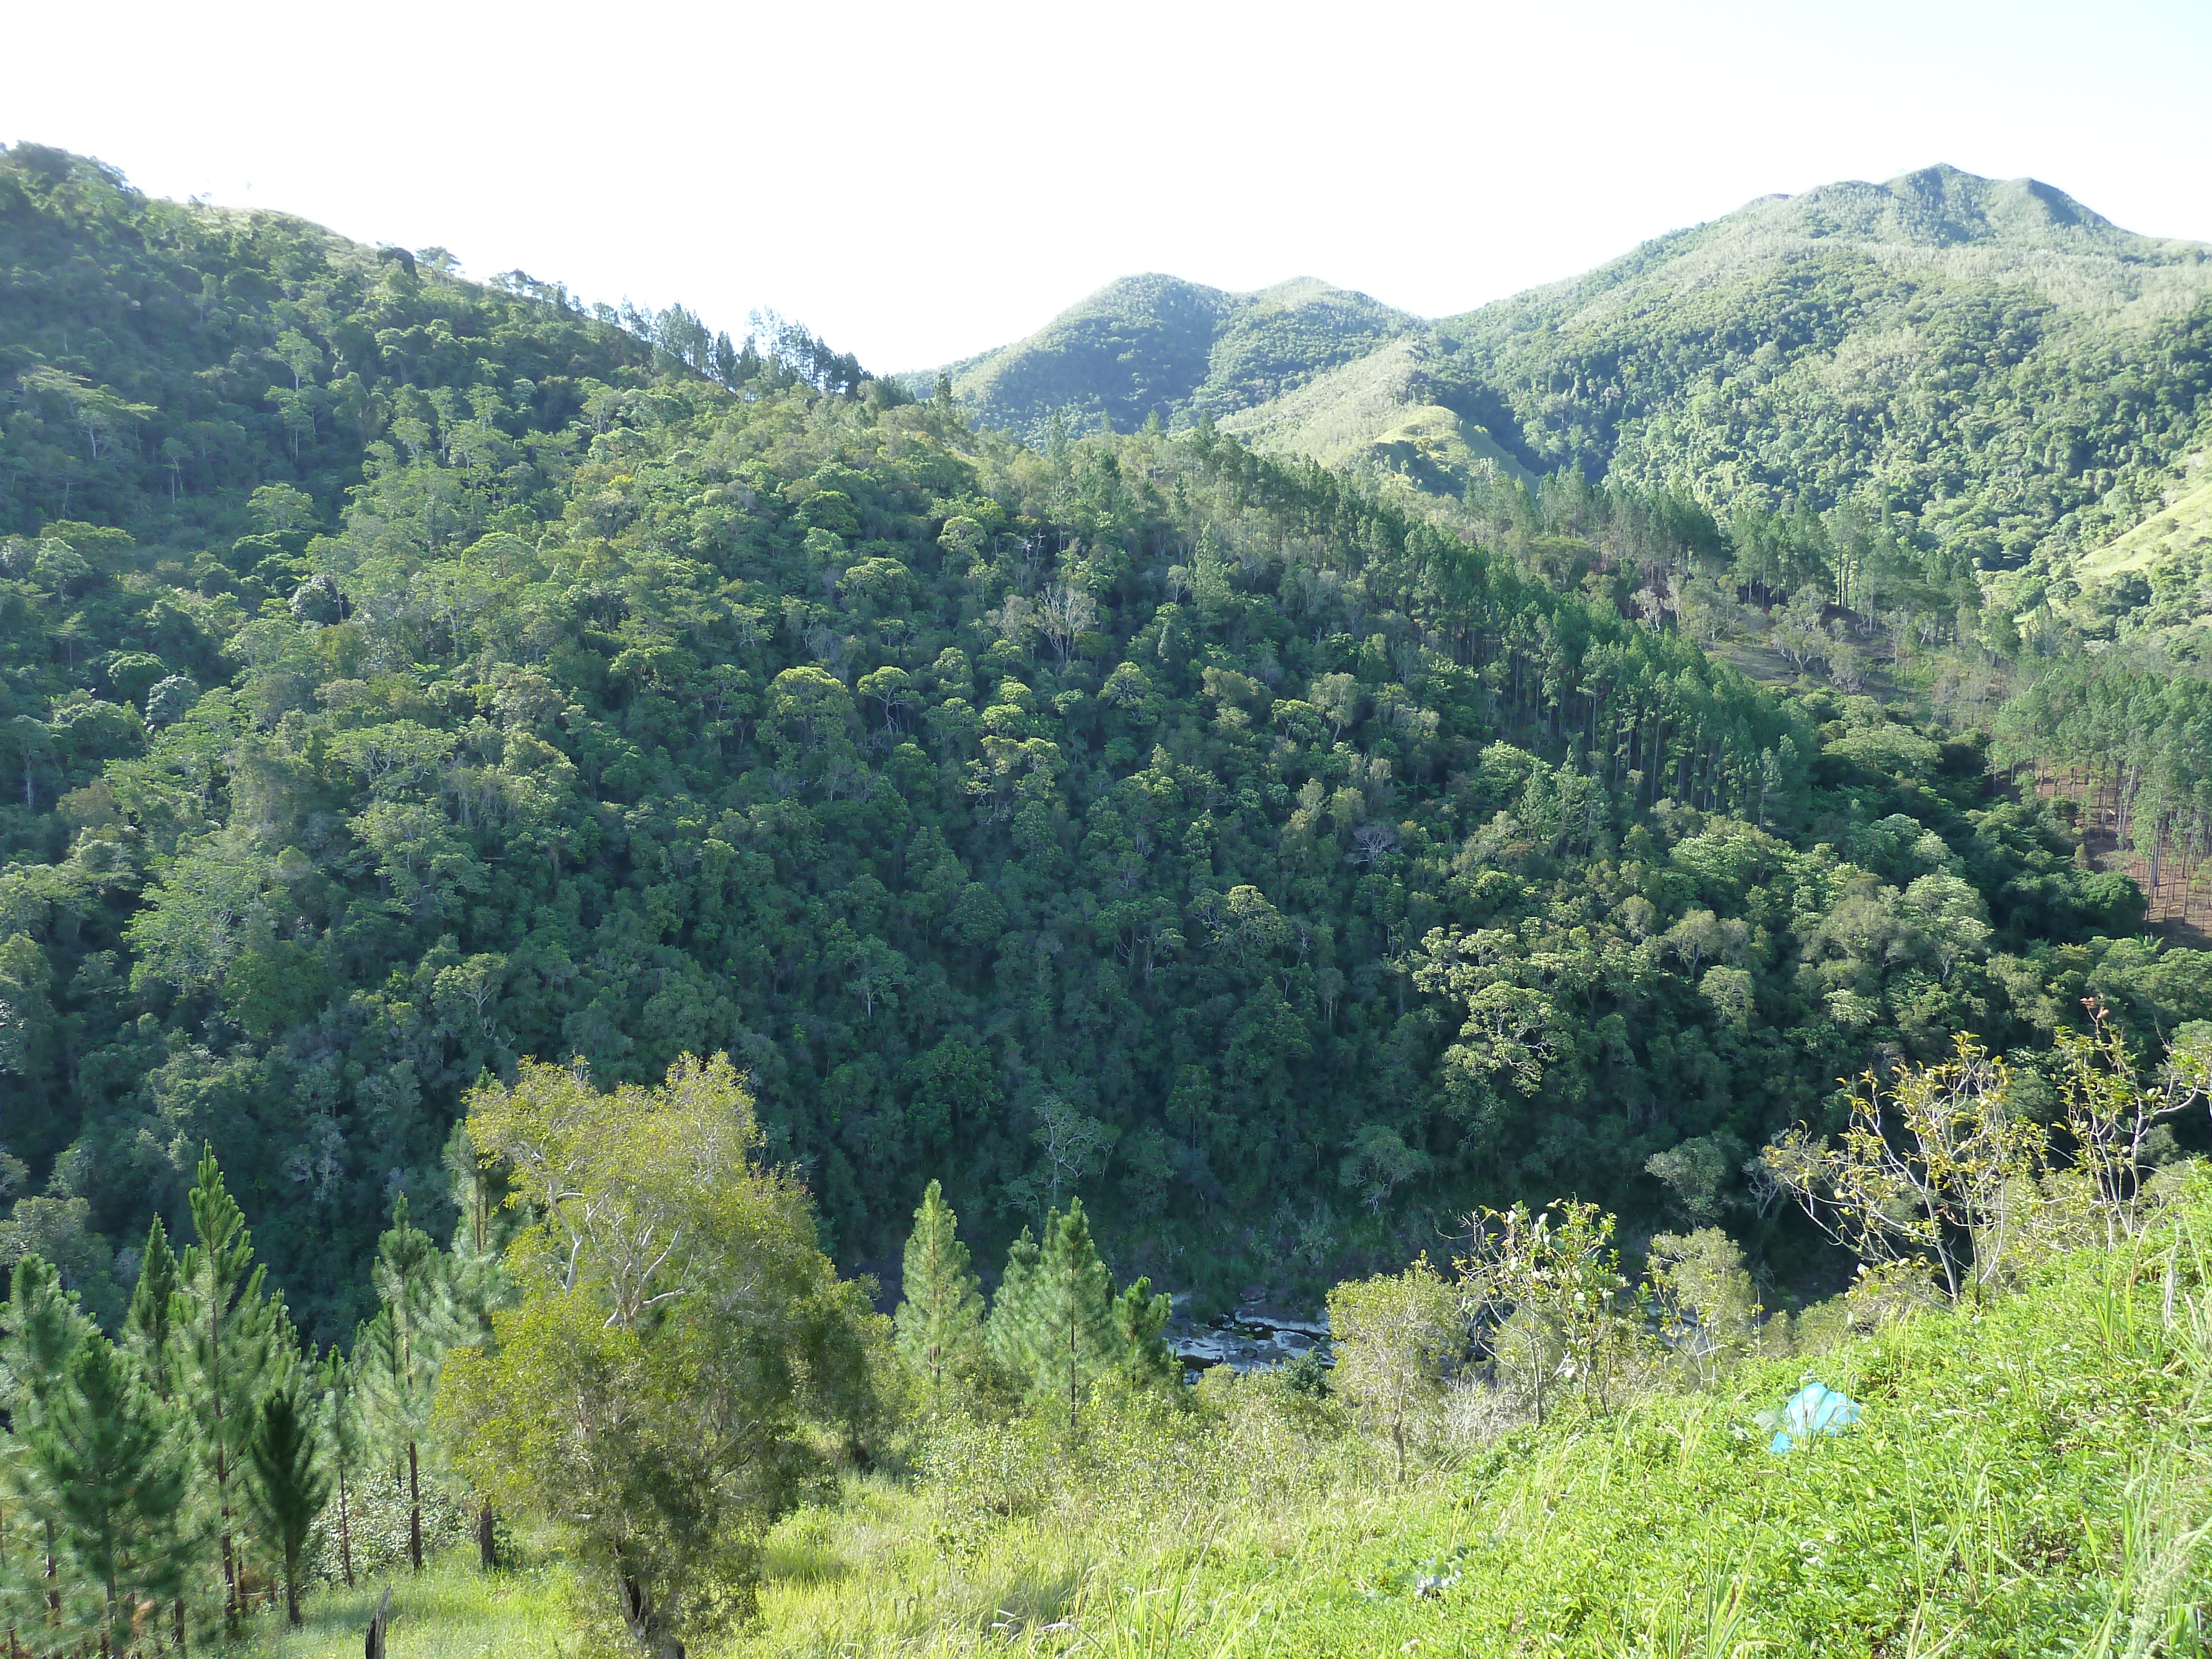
(374, 1647)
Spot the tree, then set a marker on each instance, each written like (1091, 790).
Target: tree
(2111, 1114)
(940, 1319)
(402, 1348)
(114, 1476)
(287, 1484)
(149, 1328)
(1139, 1318)
(1550, 1286)
(677, 1328)
(337, 1382)
(1396, 1335)
(1931, 1174)
(152, 1338)
(226, 1324)
(482, 1229)
(44, 1329)
(1056, 1328)
(1706, 1298)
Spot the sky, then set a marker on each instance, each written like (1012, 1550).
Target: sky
(920, 182)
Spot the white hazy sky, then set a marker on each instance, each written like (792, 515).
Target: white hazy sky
(917, 182)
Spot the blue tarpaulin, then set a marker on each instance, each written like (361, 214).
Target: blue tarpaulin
(1813, 1409)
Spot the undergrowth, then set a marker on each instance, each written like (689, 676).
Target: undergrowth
(2030, 1477)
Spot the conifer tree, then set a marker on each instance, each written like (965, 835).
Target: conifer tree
(482, 1228)
(342, 1430)
(403, 1345)
(1063, 1335)
(150, 1326)
(115, 1477)
(150, 1338)
(44, 1328)
(1139, 1317)
(1004, 1335)
(287, 1483)
(224, 1324)
(940, 1322)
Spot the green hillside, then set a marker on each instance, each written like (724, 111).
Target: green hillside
(1380, 414)
(1148, 817)
(1987, 362)
(531, 838)
(1987, 359)
(1153, 345)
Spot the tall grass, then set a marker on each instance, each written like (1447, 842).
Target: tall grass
(450, 1610)
(2031, 1476)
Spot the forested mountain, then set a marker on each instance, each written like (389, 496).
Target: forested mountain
(1987, 362)
(406, 676)
(1157, 346)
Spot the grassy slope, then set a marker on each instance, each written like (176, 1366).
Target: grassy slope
(2184, 526)
(2030, 1478)
(2158, 576)
(1377, 410)
(451, 1612)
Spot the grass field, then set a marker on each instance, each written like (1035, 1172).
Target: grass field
(2030, 1477)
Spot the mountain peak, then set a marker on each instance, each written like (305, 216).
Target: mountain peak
(1156, 344)
(1938, 206)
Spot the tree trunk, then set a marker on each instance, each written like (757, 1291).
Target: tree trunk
(487, 1539)
(414, 1509)
(233, 1603)
(345, 1531)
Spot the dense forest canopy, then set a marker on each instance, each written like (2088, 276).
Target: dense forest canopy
(407, 676)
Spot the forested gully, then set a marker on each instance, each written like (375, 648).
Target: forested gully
(580, 822)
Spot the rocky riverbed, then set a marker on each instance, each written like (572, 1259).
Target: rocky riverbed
(1250, 1337)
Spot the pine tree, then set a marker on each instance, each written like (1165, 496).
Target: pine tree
(44, 1328)
(475, 1266)
(1065, 1333)
(940, 1322)
(151, 1338)
(115, 1477)
(1139, 1317)
(342, 1428)
(149, 1327)
(287, 1483)
(1004, 1337)
(224, 1324)
(418, 1322)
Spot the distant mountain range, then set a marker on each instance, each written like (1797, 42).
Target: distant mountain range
(1990, 357)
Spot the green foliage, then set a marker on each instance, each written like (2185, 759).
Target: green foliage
(110, 1471)
(1160, 349)
(1397, 1337)
(941, 1314)
(287, 1484)
(2022, 1479)
(677, 1332)
(397, 1354)
(234, 1343)
(1198, 831)
(1053, 1322)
